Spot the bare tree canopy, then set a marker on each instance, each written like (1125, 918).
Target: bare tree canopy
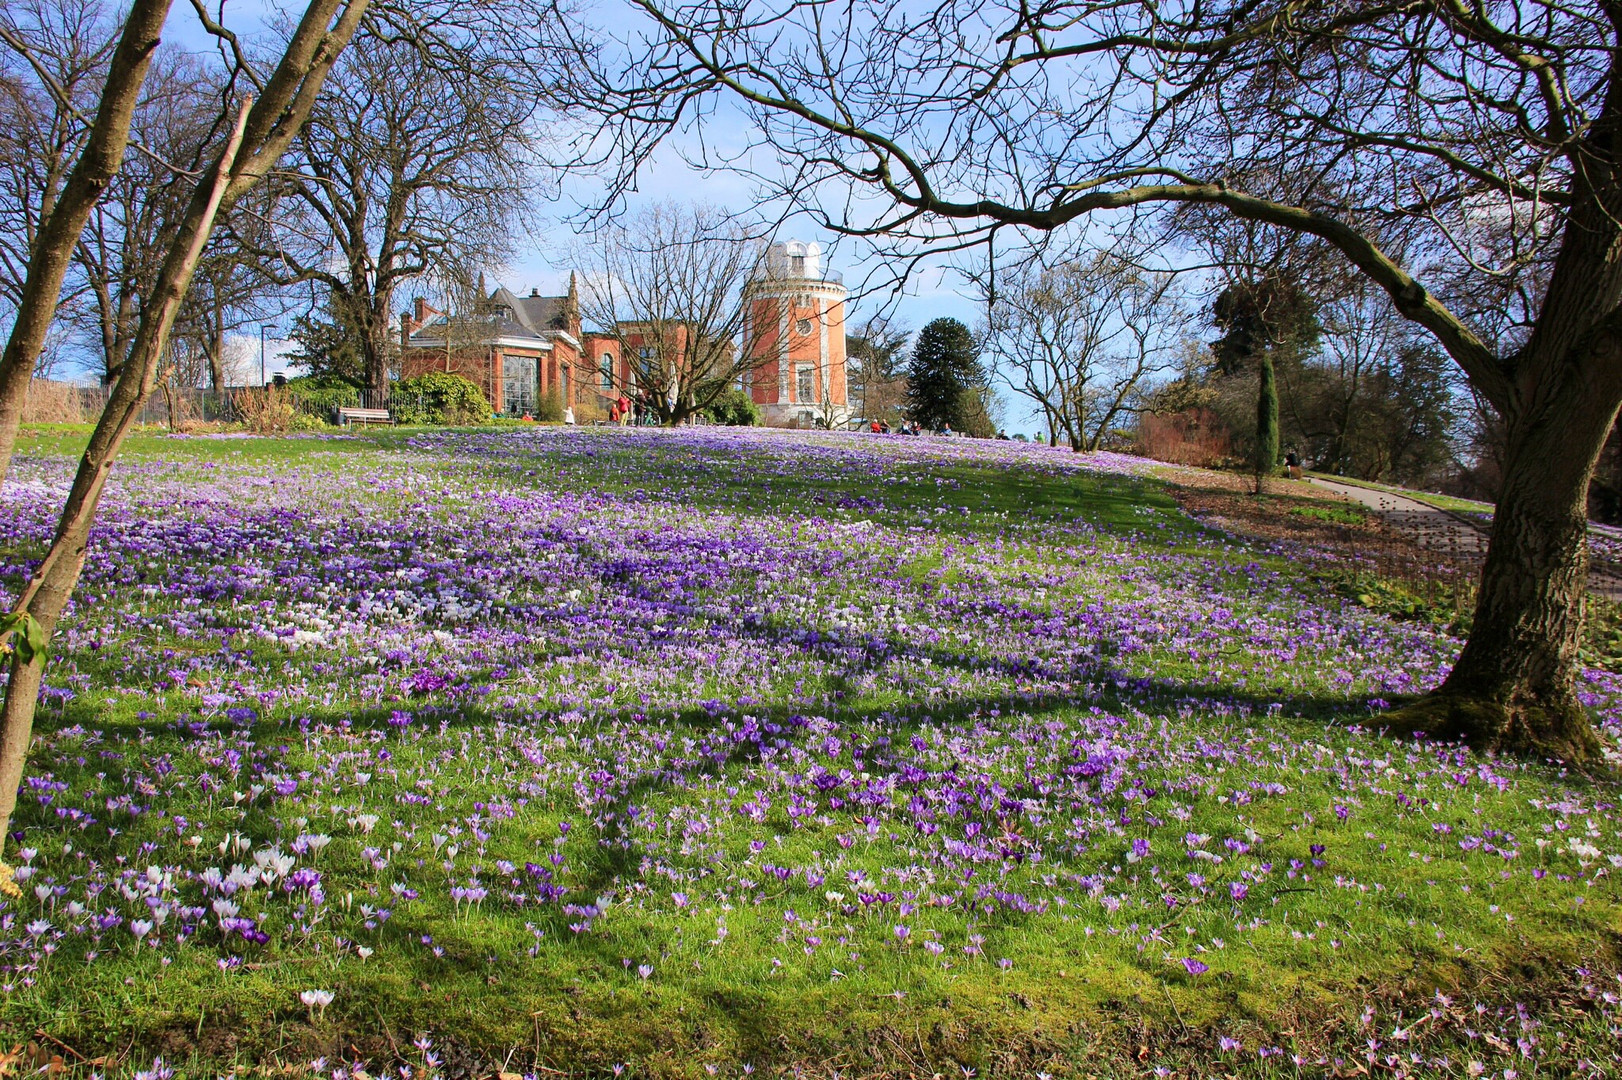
(670, 286)
(51, 67)
(1464, 157)
(1081, 337)
(420, 156)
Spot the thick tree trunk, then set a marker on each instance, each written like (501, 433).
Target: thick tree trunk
(1513, 687)
(378, 344)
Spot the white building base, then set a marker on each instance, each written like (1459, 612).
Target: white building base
(808, 417)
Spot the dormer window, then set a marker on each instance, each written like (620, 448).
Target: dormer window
(796, 264)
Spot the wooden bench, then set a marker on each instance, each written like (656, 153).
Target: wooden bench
(349, 417)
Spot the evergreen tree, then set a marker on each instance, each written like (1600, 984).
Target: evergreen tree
(945, 382)
(1266, 458)
(330, 345)
(1271, 315)
(1265, 322)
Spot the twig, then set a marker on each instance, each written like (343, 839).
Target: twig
(40, 1033)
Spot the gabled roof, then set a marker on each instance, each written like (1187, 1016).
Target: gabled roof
(500, 331)
(519, 321)
(536, 313)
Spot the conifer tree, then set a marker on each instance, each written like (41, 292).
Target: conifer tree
(945, 381)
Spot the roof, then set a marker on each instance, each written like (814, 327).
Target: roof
(536, 313)
(518, 321)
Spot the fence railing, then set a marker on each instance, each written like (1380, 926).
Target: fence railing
(51, 402)
(67, 403)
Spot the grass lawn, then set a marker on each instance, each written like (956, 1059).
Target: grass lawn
(613, 752)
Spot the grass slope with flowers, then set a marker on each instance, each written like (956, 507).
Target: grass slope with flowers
(624, 752)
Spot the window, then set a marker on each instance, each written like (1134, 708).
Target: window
(608, 372)
(807, 388)
(518, 385)
(804, 327)
(796, 265)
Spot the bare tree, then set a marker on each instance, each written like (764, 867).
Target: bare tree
(419, 155)
(51, 60)
(119, 255)
(1081, 337)
(256, 134)
(56, 229)
(1473, 146)
(671, 287)
(876, 368)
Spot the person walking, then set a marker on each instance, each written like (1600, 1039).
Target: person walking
(624, 407)
(1292, 464)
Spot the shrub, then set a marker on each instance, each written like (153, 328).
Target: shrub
(264, 411)
(53, 403)
(322, 395)
(438, 397)
(1192, 437)
(733, 408)
(589, 407)
(303, 421)
(549, 407)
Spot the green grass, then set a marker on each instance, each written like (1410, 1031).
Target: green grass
(1241, 732)
(1334, 515)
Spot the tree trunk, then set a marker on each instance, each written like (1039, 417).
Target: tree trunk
(268, 126)
(54, 579)
(376, 342)
(1513, 687)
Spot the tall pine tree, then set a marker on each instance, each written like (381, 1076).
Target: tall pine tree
(945, 380)
(1266, 459)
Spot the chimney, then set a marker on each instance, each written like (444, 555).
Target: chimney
(419, 310)
(534, 291)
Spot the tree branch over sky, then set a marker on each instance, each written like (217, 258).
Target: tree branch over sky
(1463, 158)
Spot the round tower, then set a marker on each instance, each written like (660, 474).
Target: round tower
(796, 338)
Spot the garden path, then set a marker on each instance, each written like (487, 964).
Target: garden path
(1441, 530)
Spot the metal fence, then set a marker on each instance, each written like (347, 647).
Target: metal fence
(52, 402)
(66, 403)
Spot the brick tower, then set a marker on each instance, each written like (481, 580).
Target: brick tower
(796, 332)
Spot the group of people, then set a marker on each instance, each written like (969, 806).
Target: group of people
(629, 412)
(908, 427)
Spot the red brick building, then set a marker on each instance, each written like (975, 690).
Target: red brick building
(520, 349)
(516, 349)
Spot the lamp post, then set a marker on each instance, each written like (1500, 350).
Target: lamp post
(263, 329)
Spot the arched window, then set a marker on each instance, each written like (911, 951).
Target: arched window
(608, 372)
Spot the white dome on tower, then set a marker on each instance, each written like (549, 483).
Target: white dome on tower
(795, 259)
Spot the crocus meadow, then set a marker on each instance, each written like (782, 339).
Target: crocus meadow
(691, 753)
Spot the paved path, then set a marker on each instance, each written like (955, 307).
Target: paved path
(1453, 534)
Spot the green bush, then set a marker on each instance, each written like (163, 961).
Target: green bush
(303, 421)
(322, 395)
(733, 408)
(549, 409)
(438, 397)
